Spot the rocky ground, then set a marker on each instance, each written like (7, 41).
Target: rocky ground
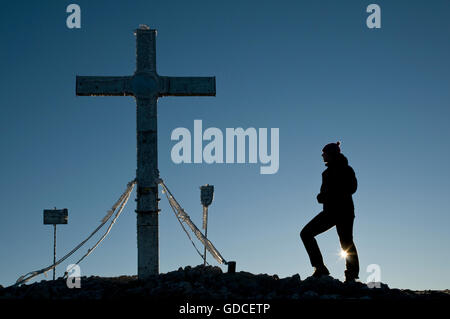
(210, 283)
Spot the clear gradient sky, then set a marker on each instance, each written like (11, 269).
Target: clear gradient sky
(310, 68)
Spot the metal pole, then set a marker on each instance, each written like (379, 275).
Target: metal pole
(54, 249)
(205, 213)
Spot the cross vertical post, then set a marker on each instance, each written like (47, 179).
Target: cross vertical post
(146, 86)
(147, 153)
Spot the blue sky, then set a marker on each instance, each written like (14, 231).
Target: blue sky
(310, 68)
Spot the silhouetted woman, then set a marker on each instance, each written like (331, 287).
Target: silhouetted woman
(338, 185)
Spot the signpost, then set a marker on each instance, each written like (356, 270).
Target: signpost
(54, 217)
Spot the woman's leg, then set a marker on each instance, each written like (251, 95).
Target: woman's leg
(344, 229)
(319, 224)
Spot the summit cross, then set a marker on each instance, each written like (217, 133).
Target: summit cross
(146, 86)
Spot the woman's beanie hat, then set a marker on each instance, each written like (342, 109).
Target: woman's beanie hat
(332, 148)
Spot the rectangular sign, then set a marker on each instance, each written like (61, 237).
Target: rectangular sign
(55, 216)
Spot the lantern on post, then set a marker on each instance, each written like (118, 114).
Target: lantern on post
(206, 197)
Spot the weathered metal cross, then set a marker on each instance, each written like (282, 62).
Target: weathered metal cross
(146, 86)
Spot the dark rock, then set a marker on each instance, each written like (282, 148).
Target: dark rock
(310, 295)
(210, 283)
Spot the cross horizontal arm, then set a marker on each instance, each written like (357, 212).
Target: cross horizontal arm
(104, 85)
(188, 86)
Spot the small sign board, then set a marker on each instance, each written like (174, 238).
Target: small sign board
(55, 216)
